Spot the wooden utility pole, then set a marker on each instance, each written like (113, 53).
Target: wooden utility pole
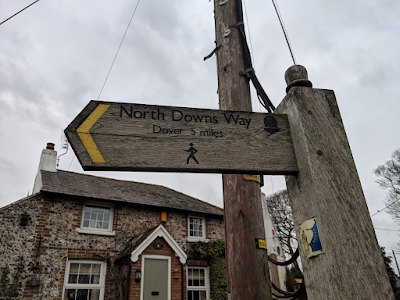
(328, 190)
(247, 267)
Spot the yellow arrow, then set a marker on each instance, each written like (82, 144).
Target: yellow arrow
(83, 132)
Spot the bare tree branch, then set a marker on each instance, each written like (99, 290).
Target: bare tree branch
(281, 215)
(389, 179)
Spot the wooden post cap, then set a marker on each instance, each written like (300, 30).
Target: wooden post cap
(297, 76)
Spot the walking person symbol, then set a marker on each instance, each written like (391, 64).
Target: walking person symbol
(191, 151)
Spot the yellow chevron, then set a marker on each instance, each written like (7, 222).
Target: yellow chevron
(83, 132)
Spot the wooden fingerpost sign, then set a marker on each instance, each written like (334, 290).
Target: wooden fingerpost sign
(344, 259)
(109, 136)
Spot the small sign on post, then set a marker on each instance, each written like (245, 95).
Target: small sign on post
(310, 241)
(135, 137)
(261, 244)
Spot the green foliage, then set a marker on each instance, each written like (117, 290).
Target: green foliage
(214, 253)
(218, 283)
(207, 251)
(10, 289)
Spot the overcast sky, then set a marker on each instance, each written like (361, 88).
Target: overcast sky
(54, 58)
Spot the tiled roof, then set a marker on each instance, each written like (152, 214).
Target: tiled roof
(75, 184)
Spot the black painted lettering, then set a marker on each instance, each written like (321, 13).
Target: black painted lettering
(244, 121)
(159, 129)
(137, 114)
(144, 114)
(160, 114)
(208, 119)
(176, 115)
(198, 118)
(248, 123)
(188, 118)
(156, 129)
(215, 120)
(123, 109)
(231, 118)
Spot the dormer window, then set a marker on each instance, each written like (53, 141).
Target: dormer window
(97, 219)
(196, 228)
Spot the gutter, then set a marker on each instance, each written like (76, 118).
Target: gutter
(123, 260)
(182, 283)
(128, 279)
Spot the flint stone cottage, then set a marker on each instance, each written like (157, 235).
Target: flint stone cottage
(86, 237)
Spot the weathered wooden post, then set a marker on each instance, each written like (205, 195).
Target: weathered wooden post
(328, 190)
(247, 267)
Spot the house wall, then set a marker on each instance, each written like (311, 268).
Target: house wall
(16, 242)
(52, 233)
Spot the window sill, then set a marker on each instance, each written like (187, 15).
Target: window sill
(196, 239)
(97, 232)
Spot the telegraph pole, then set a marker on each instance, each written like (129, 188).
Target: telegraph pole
(247, 267)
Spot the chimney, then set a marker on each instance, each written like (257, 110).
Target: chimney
(47, 163)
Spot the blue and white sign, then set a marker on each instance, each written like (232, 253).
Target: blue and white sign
(310, 240)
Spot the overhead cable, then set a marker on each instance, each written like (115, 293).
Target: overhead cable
(384, 208)
(285, 263)
(386, 229)
(278, 13)
(248, 31)
(249, 71)
(119, 47)
(18, 12)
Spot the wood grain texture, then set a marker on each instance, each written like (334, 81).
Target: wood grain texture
(247, 267)
(137, 137)
(328, 188)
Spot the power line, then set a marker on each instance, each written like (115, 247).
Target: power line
(71, 162)
(384, 208)
(248, 26)
(251, 44)
(278, 13)
(119, 47)
(18, 12)
(386, 229)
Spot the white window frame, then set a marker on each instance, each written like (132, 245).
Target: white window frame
(98, 231)
(198, 288)
(101, 284)
(197, 238)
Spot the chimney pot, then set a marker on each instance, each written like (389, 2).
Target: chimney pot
(50, 146)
